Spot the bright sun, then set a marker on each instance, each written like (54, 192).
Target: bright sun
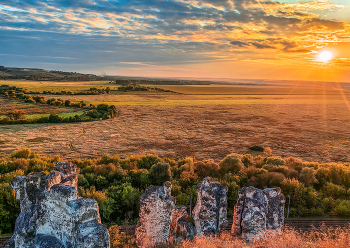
(325, 56)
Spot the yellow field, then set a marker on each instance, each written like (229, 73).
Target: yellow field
(314, 127)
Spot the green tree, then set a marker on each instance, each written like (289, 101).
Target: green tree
(160, 173)
(231, 163)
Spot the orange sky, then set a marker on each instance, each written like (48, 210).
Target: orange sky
(180, 38)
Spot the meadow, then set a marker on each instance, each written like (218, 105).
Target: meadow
(309, 121)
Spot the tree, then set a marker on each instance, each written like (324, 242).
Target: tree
(307, 176)
(160, 173)
(54, 118)
(206, 168)
(231, 163)
(16, 115)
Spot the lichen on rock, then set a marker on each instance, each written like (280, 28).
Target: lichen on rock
(210, 212)
(156, 209)
(53, 215)
(257, 211)
(180, 228)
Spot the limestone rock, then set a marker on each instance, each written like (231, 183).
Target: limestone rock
(156, 209)
(180, 229)
(53, 215)
(257, 211)
(275, 213)
(210, 212)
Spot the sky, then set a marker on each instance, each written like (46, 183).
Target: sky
(252, 39)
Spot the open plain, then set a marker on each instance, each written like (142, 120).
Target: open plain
(310, 121)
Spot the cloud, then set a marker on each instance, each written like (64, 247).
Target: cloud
(165, 31)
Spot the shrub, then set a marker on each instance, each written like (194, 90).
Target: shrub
(256, 148)
(231, 163)
(343, 208)
(93, 113)
(160, 173)
(22, 153)
(54, 118)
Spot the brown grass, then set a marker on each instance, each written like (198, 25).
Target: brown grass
(332, 238)
(311, 127)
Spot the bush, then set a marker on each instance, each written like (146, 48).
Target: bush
(343, 208)
(22, 153)
(54, 118)
(160, 173)
(231, 163)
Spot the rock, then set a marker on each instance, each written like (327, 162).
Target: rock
(275, 213)
(156, 209)
(257, 211)
(180, 228)
(210, 212)
(53, 215)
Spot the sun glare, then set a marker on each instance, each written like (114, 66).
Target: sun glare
(325, 56)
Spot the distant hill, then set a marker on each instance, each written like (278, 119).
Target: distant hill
(45, 75)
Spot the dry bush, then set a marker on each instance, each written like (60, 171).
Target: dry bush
(120, 239)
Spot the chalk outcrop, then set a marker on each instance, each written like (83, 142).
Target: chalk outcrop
(257, 211)
(180, 228)
(210, 212)
(53, 215)
(156, 209)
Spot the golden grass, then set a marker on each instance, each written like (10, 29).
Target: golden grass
(311, 127)
(332, 238)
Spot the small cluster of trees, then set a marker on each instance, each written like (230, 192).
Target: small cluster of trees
(137, 87)
(116, 183)
(101, 111)
(15, 92)
(122, 81)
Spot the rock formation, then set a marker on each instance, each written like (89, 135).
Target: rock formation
(257, 211)
(275, 211)
(210, 212)
(180, 228)
(156, 209)
(53, 215)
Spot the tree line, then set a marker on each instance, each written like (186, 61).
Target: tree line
(315, 189)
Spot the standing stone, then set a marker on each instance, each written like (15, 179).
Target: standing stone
(210, 212)
(156, 209)
(249, 219)
(180, 228)
(257, 211)
(275, 213)
(53, 215)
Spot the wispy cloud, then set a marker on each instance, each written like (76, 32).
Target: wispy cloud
(158, 32)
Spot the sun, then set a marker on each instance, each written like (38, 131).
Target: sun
(325, 56)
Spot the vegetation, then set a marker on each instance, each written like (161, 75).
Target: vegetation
(44, 75)
(137, 87)
(116, 184)
(325, 238)
(101, 111)
(122, 81)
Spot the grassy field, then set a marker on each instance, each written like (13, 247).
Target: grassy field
(33, 110)
(314, 126)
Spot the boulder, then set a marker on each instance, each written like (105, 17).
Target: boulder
(257, 211)
(156, 209)
(53, 215)
(210, 212)
(180, 228)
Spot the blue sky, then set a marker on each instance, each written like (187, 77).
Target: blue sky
(179, 38)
